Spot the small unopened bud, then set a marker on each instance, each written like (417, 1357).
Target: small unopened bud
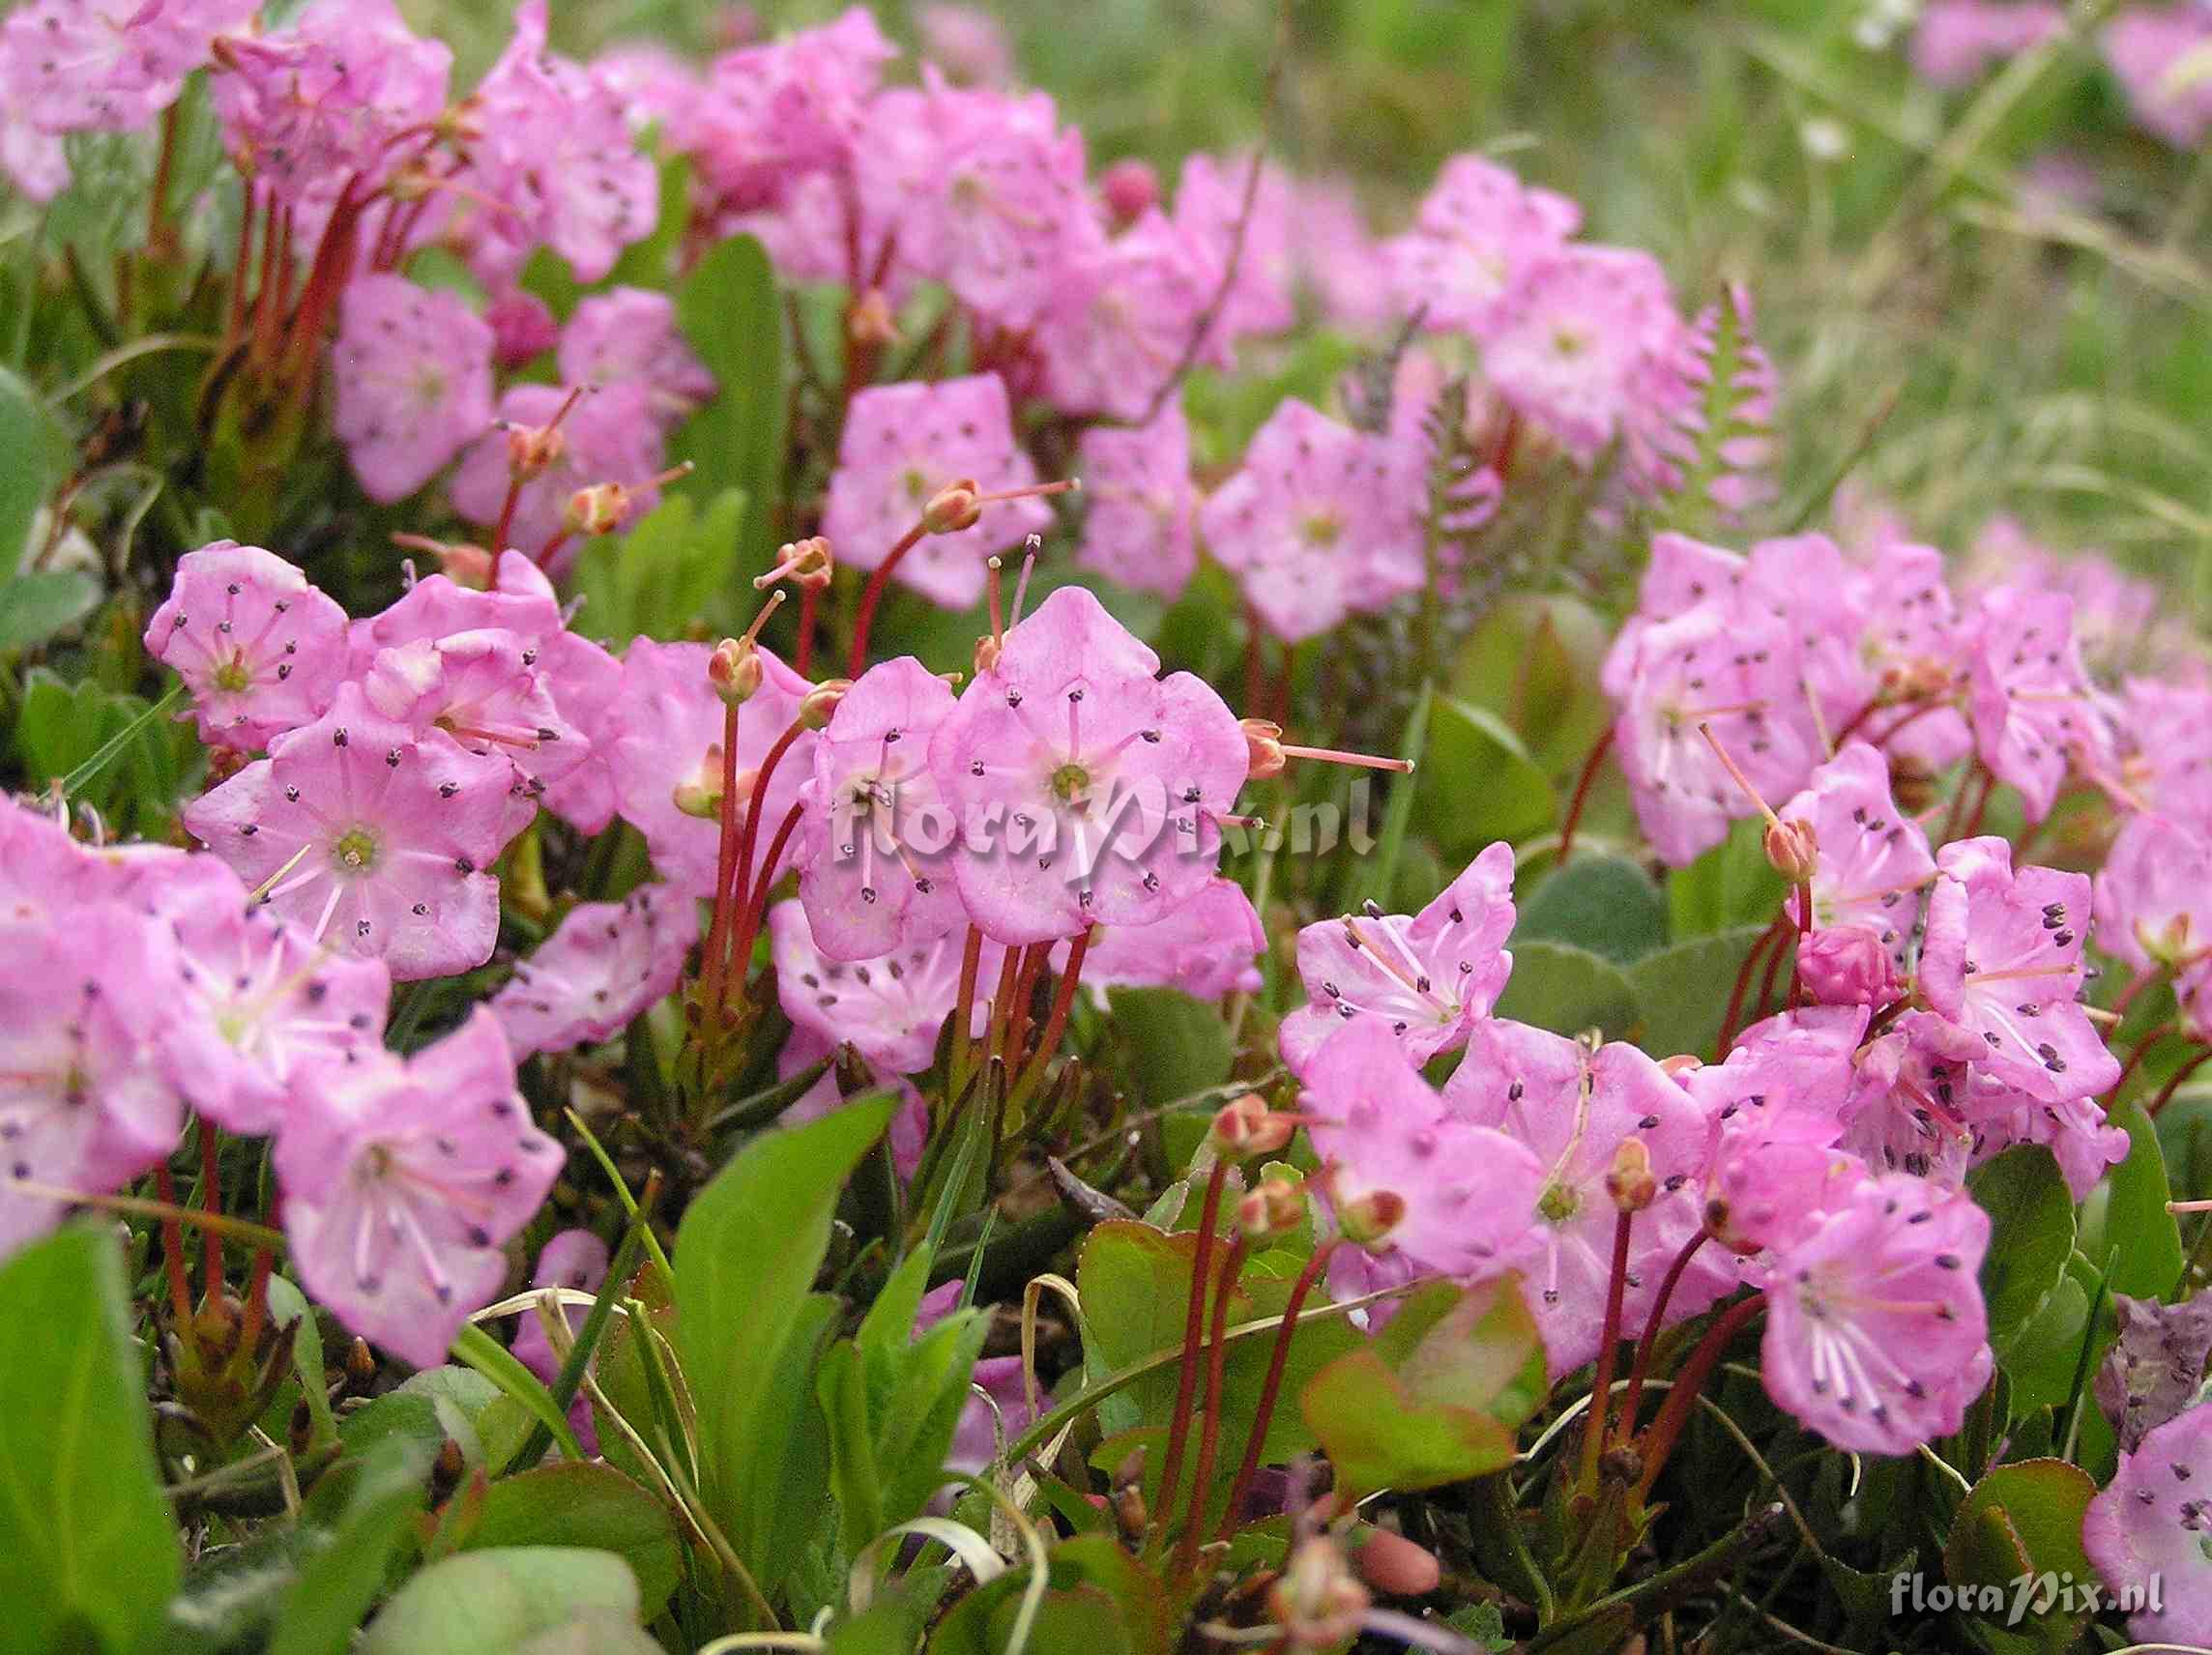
(532, 450)
(1792, 851)
(1629, 1180)
(871, 322)
(1394, 1565)
(952, 510)
(600, 509)
(1263, 746)
(458, 562)
(1682, 1062)
(1315, 1600)
(735, 671)
(819, 705)
(1368, 1220)
(360, 1364)
(1247, 1127)
(1130, 189)
(446, 1471)
(700, 793)
(300, 1429)
(987, 650)
(1275, 1208)
(808, 562)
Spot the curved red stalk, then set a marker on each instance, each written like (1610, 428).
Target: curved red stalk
(1193, 1326)
(1574, 806)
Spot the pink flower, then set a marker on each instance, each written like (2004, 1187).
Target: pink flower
(2151, 49)
(890, 1009)
(522, 326)
(873, 873)
(1120, 318)
(629, 333)
(910, 1127)
(663, 731)
(34, 163)
(988, 1422)
(2031, 698)
(260, 649)
(967, 42)
(2146, 1532)
(605, 963)
(2002, 966)
(84, 1104)
(1206, 947)
(1872, 866)
(262, 1006)
(1741, 674)
(402, 1186)
(484, 689)
(609, 436)
(1911, 635)
(1913, 1108)
(1958, 39)
(786, 110)
(1572, 349)
(1573, 1109)
(1209, 203)
(2154, 894)
(577, 1260)
(412, 377)
(1875, 1334)
(2166, 729)
(310, 107)
(370, 839)
(1085, 787)
(903, 444)
(1775, 1111)
(1405, 1177)
(1139, 504)
(1426, 979)
(1478, 233)
(1319, 524)
(558, 152)
(110, 66)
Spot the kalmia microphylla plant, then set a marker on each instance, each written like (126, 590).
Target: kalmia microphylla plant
(780, 894)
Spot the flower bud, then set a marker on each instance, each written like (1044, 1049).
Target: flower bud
(1248, 1128)
(1629, 1179)
(1130, 189)
(1275, 1208)
(952, 510)
(1263, 746)
(820, 703)
(1315, 1600)
(360, 1364)
(534, 449)
(1367, 1221)
(1681, 1063)
(808, 562)
(735, 671)
(1791, 850)
(1911, 783)
(871, 322)
(1394, 1565)
(986, 654)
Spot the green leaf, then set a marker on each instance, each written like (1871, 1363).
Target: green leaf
(729, 311)
(2031, 1237)
(1176, 1045)
(1683, 991)
(2125, 1218)
(1567, 990)
(63, 727)
(488, 1603)
(1438, 1395)
(673, 569)
(1606, 905)
(1533, 661)
(746, 1256)
(1478, 784)
(498, 1364)
(2043, 1358)
(585, 1504)
(88, 1552)
(650, 262)
(36, 607)
(1731, 885)
(2025, 1520)
(1398, 813)
(336, 1584)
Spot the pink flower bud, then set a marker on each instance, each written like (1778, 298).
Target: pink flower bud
(1792, 851)
(1264, 740)
(1394, 1565)
(1130, 189)
(1248, 1128)
(1367, 1222)
(952, 510)
(821, 703)
(871, 322)
(734, 670)
(1630, 1180)
(1275, 1208)
(1848, 965)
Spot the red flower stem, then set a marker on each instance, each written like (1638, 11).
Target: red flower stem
(725, 861)
(506, 523)
(742, 947)
(1055, 1022)
(211, 1198)
(865, 619)
(1272, 1386)
(964, 1011)
(1025, 990)
(1958, 809)
(1252, 670)
(173, 1249)
(1767, 977)
(1981, 804)
(1797, 954)
(802, 657)
(242, 269)
(1659, 1441)
(2166, 1091)
(165, 164)
(1897, 729)
(1581, 797)
(1193, 1327)
(1771, 935)
(545, 552)
(756, 909)
(2134, 1061)
(1851, 724)
(1642, 1368)
(2143, 980)
(256, 1298)
(1002, 1004)
(1597, 1428)
(1209, 1434)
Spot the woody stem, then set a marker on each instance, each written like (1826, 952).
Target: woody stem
(1193, 1327)
(725, 864)
(1642, 1368)
(743, 947)
(1271, 1387)
(1599, 1427)
(1209, 1434)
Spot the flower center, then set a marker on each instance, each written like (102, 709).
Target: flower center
(1069, 783)
(1558, 1202)
(355, 851)
(1320, 529)
(232, 676)
(917, 486)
